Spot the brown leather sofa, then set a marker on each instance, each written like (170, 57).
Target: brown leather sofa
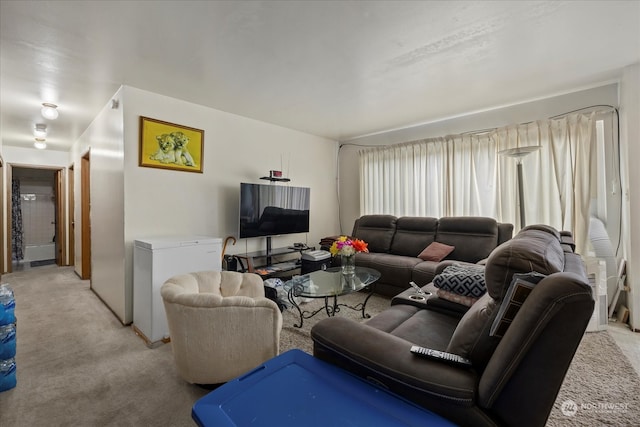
(514, 380)
(395, 243)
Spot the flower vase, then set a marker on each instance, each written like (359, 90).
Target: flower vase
(348, 263)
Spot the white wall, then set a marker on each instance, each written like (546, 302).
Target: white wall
(539, 109)
(104, 141)
(159, 202)
(32, 157)
(630, 148)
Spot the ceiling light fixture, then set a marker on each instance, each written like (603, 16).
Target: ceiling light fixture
(40, 144)
(49, 111)
(40, 131)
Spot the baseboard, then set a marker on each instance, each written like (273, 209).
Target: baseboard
(147, 341)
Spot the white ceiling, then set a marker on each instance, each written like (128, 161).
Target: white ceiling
(338, 69)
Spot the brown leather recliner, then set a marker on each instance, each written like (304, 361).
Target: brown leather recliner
(515, 379)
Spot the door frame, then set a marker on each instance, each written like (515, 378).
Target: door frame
(9, 234)
(61, 237)
(3, 243)
(59, 209)
(85, 207)
(71, 215)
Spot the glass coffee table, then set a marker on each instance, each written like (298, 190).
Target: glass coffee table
(330, 284)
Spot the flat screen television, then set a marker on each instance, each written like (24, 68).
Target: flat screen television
(272, 210)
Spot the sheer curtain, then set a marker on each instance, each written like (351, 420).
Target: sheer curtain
(463, 174)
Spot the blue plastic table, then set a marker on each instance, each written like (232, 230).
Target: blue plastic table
(296, 389)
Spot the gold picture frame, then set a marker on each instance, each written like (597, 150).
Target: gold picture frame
(170, 146)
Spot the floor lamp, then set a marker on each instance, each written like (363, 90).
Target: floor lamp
(518, 153)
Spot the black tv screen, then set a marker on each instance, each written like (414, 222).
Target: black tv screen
(271, 210)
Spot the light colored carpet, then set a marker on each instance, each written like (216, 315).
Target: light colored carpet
(293, 337)
(78, 366)
(601, 387)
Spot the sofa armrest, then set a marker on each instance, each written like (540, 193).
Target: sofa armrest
(386, 360)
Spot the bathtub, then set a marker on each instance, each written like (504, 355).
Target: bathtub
(40, 252)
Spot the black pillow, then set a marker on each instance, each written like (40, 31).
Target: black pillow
(462, 279)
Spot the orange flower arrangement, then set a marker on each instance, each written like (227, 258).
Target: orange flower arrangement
(347, 247)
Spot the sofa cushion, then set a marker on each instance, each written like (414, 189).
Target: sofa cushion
(505, 232)
(435, 252)
(530, 250)
(471, 338)
(413, 234)
(376, 230)
(407, 322)
(462, 279)
(393, 268)
(473, 237)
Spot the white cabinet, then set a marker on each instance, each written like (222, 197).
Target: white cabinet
(154, 261)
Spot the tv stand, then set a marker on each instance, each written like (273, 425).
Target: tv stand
(268, 250)
(269, 268)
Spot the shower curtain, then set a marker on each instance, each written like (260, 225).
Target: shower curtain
(17, 231)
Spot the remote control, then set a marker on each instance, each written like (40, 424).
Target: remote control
(440, 355)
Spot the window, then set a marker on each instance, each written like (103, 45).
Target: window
(464, 174)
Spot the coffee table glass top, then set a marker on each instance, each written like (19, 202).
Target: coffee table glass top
(331, 282)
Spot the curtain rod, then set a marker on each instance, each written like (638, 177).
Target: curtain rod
(482, 131)
(585, 108)
(487, 130)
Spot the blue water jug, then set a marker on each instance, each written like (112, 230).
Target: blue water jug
(7, 305)
(7, 374)
(7, 341)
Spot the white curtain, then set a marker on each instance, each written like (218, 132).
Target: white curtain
(463, 174)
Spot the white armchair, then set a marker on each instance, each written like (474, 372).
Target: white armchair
(220, 323)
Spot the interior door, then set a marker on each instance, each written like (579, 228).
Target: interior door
(85, 173)
(61, 240)
(71, 216)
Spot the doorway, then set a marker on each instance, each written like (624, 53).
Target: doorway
(34, 217)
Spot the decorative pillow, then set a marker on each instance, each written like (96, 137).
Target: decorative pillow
(457, 298)
(462, 279)
(436, 252)
(519, 289)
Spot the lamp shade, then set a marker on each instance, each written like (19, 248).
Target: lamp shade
(519, 152)
(49, 111)
(40, 131)
(40, 144)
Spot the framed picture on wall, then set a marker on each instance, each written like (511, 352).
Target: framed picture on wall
(170, 146)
